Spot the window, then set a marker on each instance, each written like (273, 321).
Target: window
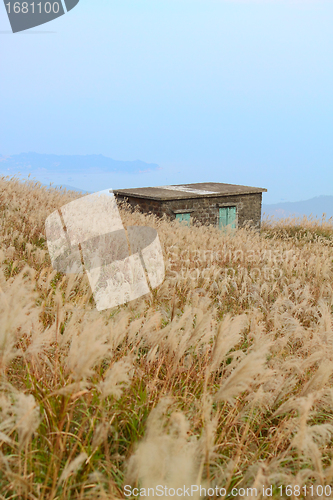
(227, 217)
(184, 218)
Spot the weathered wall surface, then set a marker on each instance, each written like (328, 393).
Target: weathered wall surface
(204, 210)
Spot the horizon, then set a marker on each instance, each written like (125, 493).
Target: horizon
(40, 178)
(122, 180)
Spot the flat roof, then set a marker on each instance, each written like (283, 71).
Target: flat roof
(186, 191)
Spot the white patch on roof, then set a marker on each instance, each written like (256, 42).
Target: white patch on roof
(186, 189)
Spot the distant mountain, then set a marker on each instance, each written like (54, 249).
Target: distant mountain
(315, 206)
(35, 162)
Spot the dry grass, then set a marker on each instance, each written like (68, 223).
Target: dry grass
(223, 376)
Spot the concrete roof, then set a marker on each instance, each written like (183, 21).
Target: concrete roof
(186, 191)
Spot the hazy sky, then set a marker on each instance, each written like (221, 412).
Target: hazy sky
(211, 90)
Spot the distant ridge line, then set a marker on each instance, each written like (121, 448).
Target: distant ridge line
(71, 163)
(315, 207)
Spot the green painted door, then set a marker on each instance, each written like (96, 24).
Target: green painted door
(184, 218)
(227, 217)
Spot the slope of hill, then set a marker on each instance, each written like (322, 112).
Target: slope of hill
(315, 207)
(221, 377)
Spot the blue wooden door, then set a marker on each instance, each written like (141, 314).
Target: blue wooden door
(227, 217)
(184, 218)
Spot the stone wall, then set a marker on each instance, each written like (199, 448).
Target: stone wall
(205, 210)
(145, 206)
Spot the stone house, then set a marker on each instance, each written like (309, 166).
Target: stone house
(206, 202)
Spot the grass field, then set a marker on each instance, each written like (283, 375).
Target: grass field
(221, 378)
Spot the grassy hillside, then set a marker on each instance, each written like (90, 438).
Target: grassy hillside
(221, 378)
